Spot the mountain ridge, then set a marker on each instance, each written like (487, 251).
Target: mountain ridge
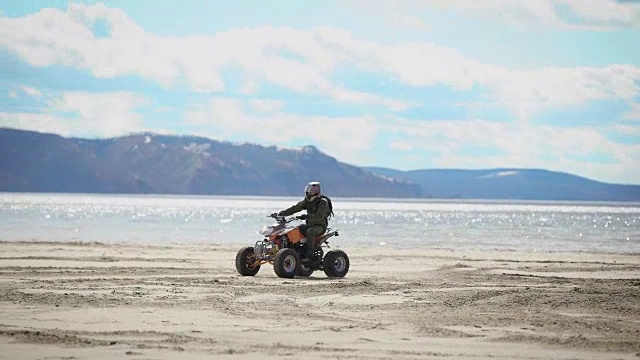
(185, 164)
(166, 164)
(512, 183)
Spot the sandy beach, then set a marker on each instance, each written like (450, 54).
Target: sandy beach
(125, 301)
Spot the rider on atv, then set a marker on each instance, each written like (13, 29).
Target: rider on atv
(318, 209)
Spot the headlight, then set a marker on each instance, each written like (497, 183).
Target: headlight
(258, 249)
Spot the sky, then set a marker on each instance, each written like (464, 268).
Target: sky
(412, 84)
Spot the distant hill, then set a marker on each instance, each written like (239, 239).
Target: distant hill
(158, 164)
(509, 183)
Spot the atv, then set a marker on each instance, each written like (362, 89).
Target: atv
(284, 247)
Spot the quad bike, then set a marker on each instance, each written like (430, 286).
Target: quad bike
(284, 247)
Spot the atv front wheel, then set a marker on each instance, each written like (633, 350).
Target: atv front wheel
(336, 263)
(244, 261)
(286, 263)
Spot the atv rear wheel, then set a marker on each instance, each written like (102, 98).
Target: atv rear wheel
(336, 263)
(244, 259)
(286, 263)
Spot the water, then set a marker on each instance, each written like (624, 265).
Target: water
(538, 226)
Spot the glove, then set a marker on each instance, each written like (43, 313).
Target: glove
(303, 217)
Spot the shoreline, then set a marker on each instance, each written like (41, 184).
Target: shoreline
(453, 200)
(87, 300)
(357, 247)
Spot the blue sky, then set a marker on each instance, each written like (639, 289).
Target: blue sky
(472, 84)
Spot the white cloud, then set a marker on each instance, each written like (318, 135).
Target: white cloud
(574, 150)
(400, 145)
(519, 13)
(31, 91)
(300, 60)
(633, 113)
(46, 123)
(540, 15)
(229, 118)
(164, 109)
(420, 64)
(359, 97)
(411, 22)
(266, 105)
(83, 114)
(564, 14)
(530, 92)
(249, 86)
(290, 58)
(605, 12)
(632, 130)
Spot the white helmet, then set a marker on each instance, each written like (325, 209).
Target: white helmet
(312, 189)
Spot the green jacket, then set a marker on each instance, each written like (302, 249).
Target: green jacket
(317, 211)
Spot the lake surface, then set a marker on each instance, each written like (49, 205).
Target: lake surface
(399, 223)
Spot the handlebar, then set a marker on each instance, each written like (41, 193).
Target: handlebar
(280, 218)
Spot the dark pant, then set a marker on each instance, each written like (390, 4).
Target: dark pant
(311, 232)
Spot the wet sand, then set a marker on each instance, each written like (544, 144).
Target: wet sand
(124, 301)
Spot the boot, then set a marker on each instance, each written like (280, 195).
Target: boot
(308, 253)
